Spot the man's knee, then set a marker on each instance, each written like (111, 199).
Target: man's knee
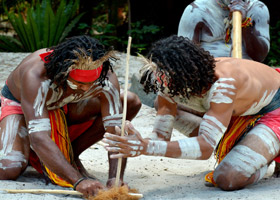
(228, 179)
(134, 102)
(11, 172)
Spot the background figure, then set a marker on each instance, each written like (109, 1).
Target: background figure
(209, 24)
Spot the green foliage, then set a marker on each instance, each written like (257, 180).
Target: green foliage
(38, 26)
(104, 33)
(142, 35)
(273, 58)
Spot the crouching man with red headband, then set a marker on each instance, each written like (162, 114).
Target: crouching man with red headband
(56, 104)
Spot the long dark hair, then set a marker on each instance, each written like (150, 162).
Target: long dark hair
(188, 67)
(63, 55)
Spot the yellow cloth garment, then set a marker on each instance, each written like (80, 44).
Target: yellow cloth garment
(59, 135)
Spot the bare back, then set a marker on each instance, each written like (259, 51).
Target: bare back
(256, 83)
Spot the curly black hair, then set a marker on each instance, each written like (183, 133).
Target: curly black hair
(63, 55)
(189, 68)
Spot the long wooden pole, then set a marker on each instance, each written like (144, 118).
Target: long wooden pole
(65, 192)
(124, 107)
(237, 35)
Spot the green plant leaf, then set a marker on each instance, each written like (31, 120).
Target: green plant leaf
(10, 44)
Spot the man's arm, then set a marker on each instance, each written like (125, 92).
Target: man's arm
(165, 118)
(211, 130)
(111, 111)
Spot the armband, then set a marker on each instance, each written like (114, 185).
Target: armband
(78, 181)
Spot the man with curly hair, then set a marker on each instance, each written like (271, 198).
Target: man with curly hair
(239, 103)
(56, 104)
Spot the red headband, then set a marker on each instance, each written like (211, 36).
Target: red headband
(86, 76)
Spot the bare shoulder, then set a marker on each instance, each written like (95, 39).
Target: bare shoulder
(28, 73)
(247, 71)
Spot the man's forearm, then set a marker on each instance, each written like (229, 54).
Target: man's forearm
(52, 157)
(253, 40)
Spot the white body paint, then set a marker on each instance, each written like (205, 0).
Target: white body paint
(112, 120)
(40, 100)
(38, 125)
(164, 125)
(8, 137)
(257, 106)
(211, 130)
(220, 90)
(136, 149)
(113, 98)
(72, 85)
(268, 137)
(244, 160)
(156, 148)
(111, 93)
(190, 148)
(211, 14)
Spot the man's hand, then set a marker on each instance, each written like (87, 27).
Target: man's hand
(131, 145)
(89, 187)
(239, 5)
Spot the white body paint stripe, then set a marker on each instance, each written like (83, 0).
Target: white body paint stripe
(245, 160)
(216, 121)
(268, 137)
(156, 148)
(39, 125)
(219, 90)
(112, 120)
(257, 106)
(8, 137)
(190, 148)
(110, 123)
(40, 100)
(110, 117)
(72, 85)
(163, 125)
(134, 142)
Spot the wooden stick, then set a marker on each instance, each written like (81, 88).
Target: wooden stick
(237, 35)
(124, 107)
(42, 191)
(65, 192)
